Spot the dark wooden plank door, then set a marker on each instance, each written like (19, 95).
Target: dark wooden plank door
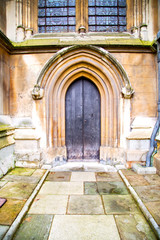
(82, 120)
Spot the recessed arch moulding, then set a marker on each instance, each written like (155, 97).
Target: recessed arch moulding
(115, 89)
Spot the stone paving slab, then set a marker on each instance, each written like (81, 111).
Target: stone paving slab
(80, 227)
(35, 227)
(22, 171)
(10, 210)
(153, 179)
(49, 204)
(66, 188)
(119, 204)
(83, 176)
(3, 230)
(22, 179)
(154, 208)
(128, 172)
(2, 183)
(85, 204)
(59, 176)
(134, 227)
(38, 173)
(103, 188)
(137, 180)
(109, 177)
(149, 193)
(17, 190)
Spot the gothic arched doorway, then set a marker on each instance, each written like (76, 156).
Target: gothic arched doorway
(83, 123)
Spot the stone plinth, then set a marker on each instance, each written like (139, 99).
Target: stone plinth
(112, 156)
(138, 140)
(6, 148)
(156, 158)
(27, 148)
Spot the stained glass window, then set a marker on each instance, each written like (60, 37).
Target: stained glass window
(56, 16)
(60, 16)
(107, 15)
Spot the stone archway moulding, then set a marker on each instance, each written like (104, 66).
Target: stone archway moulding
(61, 70)
(126, 90)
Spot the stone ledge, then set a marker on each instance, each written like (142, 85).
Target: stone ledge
(27, 164)
(143, 170)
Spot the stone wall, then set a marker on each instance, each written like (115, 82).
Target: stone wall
(140, 67)
(142, 71)
(4, 82)
(3, 16)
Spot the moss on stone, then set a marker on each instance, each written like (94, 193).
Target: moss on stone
(118, 41)
(22, 171)
(5, 127)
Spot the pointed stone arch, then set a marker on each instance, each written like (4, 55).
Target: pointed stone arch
(66, 66)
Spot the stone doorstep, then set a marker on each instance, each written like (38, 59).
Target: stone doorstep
(143, 170)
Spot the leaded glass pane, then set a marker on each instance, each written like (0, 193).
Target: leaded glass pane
(122, 11)
(41, 29)
(105, 3)
(56, 3)
(91, 2)
(72, 28)
(92, 21)
(41, 3)
(122, 28)
(101, 28)
(72, 3)
(56, 15)
(56, 29)
(41, 12)
(92, 29)
(56, 12)
(111, 28)
(122, 20)
(106, 11)
(91, 11)
(71, 20)
(41, 21)
(56, 21)
(107, 21)
(122, 3)
(107, 15)
(72, 11)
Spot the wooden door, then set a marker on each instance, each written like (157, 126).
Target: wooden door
(82, 120)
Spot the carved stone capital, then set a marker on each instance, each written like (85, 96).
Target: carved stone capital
(37, 92)
(127, 92)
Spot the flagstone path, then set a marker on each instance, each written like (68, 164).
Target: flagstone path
(79, 205)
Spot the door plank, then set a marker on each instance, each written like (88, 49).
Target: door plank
(91, 133)
(83, 120)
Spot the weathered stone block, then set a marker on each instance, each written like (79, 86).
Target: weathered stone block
(6, 159)
(156, 162)
(136, 155)
(143, 170)
(27, 145)
(138, 144)
(112, 156)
